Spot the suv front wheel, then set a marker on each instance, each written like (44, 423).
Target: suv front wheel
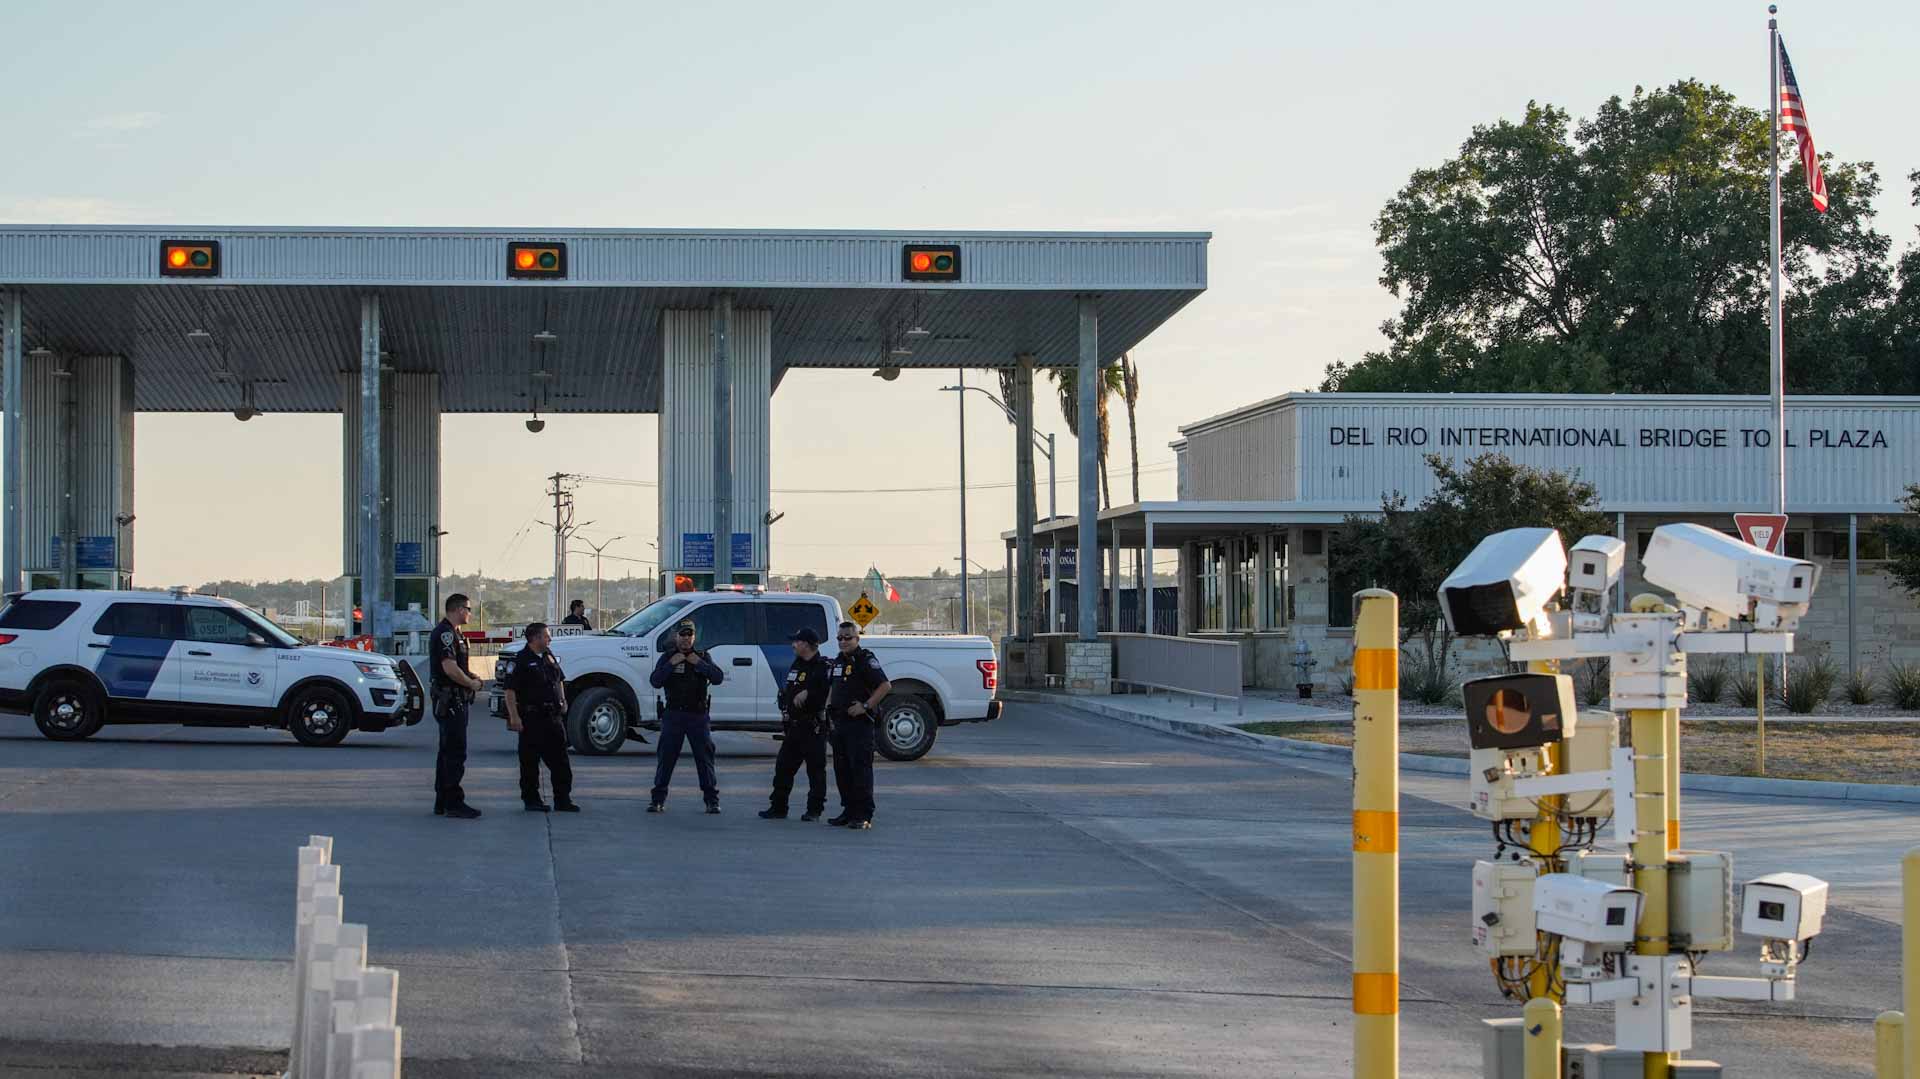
(68, 709)
(319, 716)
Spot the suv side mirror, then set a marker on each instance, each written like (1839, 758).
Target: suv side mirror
(254, 640)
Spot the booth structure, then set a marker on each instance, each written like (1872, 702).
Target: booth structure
(396, 327)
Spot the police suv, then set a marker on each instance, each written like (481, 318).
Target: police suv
(79, 660)
(938, 680)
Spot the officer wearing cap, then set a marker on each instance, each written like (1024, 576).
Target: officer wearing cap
(685, 675)
(856, 686)
(453, 689)
(537, 709)
(803, 725)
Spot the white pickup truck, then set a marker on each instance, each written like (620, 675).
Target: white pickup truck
(937, 680)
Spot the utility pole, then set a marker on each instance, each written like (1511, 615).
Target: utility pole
(563, 528)
(966, 615)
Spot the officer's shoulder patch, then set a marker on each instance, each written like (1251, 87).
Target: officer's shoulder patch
(446, 636)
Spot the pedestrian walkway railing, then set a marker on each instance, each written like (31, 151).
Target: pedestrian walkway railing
(1193, 667)
(344, 1012)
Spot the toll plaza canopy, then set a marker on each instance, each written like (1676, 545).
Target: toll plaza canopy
(699, 326)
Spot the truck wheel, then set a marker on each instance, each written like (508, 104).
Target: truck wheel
(68, 710)
(907, 728)
(319, 716)
(597, 722)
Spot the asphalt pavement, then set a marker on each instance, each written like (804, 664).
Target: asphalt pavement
(1053, 893)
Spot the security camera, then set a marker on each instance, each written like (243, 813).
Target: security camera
(1584, 909)
(1783, 906)
(536, 425)
(1506, 583)
(1594, 566)
(244, 414)
(1725, 578)
(888, 373)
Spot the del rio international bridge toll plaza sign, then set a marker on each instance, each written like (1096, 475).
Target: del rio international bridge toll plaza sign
(1643, 453)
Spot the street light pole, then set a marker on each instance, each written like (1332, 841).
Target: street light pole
(599, 611)
(966, 600)
(1053, 510)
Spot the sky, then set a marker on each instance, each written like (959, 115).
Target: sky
(1282, 128)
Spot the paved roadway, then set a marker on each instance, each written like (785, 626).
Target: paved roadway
(1052, 894)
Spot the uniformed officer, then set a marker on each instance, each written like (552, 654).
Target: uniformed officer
(577, 615)
(453, 689)
(537, 708)
(686, 675)
(803, 725)
(857, 685)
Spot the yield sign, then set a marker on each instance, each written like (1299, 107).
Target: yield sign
(1764, 530)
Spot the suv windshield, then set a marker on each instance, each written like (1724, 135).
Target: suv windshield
(259, 623)
(648, 618)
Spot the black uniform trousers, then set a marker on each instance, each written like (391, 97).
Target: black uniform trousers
(695, 729)
(450, 767)
(544, 739)
(803, 744)
(853, 766)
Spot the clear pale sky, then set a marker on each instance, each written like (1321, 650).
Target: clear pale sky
(1280, 127)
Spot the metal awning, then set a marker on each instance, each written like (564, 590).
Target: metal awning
(1175, 523)
(284, 314)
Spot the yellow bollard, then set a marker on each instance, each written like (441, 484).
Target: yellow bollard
(1376, 835)
(1673, 779)
(1910, 955)
(1889, 1033)
(1650, 849)
(1540, 1029)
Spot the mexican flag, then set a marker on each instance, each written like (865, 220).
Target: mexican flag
(878, 584)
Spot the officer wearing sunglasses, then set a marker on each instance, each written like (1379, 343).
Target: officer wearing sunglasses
(685, 675)
(855, 687)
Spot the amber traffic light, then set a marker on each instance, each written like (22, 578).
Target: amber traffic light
(536, 260)
(190, 258)
(925, 263)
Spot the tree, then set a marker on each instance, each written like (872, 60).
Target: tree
(1409, 552)
(1628, 253)
(1130, 393)
(1903, 544)
(1066, 384)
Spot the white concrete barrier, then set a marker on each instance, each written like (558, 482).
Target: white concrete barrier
(344, 1011)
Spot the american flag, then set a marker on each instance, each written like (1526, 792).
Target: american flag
(1793, 118)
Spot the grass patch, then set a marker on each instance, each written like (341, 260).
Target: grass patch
(1840, 752)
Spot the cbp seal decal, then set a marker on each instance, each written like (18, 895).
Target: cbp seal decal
(253, 678)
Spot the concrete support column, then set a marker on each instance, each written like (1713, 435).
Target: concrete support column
(12, 486)
(1146, 601)
(1025, 498)
(76, 504)
(1853, 592)
(1263, 600)
(1187, 576)
(376, 582)
(1620, 533)
(1113, 581)
(1089, 479)
(723, 443)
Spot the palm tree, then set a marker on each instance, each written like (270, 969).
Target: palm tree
(1066, 384)
(1130, 393)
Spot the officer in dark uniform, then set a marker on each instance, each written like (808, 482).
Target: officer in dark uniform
(803, 724)
(453, 689)
(537, 708)
(857, 685)
(686, 675)
(577, 615)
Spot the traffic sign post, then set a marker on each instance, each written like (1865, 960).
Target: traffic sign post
(863, 611)
(1767, 531)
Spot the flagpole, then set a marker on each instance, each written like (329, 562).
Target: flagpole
(1776, 337)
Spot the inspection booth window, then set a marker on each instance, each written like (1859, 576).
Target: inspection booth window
(1210, 597)
(1246, 572)
(1833, 546)
(1279, 597)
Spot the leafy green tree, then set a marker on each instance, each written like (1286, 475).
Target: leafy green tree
(1628, 253)
(1410, 551)
(1903, 543)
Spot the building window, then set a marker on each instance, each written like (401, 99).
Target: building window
(1833, 545)
(1795, 545)
(1279, 608)
(1209, 614)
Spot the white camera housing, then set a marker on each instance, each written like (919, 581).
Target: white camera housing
(1728, 578)
(1594, 567)
(1506, 583)
(1784, 906)
(1584, 909)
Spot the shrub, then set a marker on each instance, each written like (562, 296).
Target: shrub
(1424, 682)
(1708, 681)
(1746, 692)
(1860, 686)
(1809, 685)
(1903, 684)
(1593, 682)
(1346, 685)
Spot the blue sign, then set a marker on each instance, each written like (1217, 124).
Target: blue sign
(406, 558)
(90, 552)
(1068, 559)
(696, 550)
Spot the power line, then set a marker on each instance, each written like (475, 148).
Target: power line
(1153, 468)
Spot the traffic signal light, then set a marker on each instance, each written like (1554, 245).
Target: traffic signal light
(924, 263)
(190, 258)
(536, 260)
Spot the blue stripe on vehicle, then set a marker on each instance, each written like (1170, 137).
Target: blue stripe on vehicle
(132, 664)
(779, 661)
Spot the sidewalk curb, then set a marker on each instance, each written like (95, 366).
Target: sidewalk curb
(1816, 790)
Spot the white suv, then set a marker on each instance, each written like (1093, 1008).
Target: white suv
(79, 660)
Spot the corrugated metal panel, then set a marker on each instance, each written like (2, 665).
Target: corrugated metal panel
(1644, 454)
(101, 484)
(687, 425)
(412, 463)
(660, 258)
(41, 392)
